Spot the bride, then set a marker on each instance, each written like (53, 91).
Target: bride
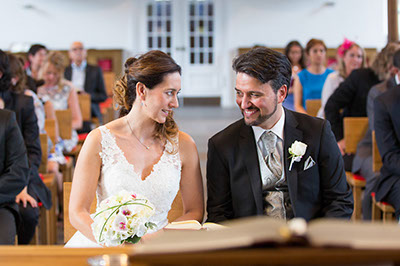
(142, 151)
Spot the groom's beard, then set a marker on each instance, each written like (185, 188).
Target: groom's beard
(261, 118)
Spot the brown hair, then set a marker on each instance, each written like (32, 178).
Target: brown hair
(56, 59)
(149, 69)
(384, 60)
(17, 70)
(311, 43)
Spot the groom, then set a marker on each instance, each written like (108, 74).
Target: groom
(274, 161)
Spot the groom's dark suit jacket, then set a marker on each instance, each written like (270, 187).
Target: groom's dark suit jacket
(234, 179)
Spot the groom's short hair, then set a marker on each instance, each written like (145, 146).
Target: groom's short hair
(266, 65)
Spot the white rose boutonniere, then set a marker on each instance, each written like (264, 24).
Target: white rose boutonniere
(296, 151)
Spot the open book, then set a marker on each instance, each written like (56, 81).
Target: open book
(262, 230)
(192, 225)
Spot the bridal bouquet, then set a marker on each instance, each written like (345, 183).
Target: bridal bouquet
(122, 218)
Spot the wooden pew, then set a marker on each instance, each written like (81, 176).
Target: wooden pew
(354, 130)
(313, 106)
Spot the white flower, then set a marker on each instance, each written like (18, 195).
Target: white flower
(120, 223)
(296, 151)
(298, 148)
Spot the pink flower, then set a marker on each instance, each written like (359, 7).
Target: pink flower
(346, 45)
(122, 225)
(126, 212)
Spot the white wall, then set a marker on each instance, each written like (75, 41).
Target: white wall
(99, 24)
(116, 24)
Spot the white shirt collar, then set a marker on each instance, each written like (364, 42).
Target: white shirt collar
(81, 67)
(277, 129)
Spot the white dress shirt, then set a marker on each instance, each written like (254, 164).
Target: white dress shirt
(79, 75)
(277, 129)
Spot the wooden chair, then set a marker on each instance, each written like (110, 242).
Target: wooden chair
(109, 79)
(313, 106)
(69, 230)
(50, 127)
(64, 119)
(44, 148)
(85, 106)
(354, 130)
(380, 208)
(48, 220)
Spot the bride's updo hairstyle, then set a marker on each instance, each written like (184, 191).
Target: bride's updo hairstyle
(149, 69)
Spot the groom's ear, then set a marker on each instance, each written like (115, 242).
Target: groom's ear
(141, 91)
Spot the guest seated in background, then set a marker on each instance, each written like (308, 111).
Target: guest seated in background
(87, 79)
(362, 163)
(274, 161)
(350, 56)
(61, 93)
(294, 52)
(43, 110)
(308, 85)
(36, 55)
(387, 129)
(351, 95)
(34, 190)
(14, 171)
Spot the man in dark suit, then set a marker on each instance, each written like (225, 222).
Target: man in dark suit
(387, 130)
(35, 190)
(250, 169)
(86, 78)
(14, 172)
(362, 162)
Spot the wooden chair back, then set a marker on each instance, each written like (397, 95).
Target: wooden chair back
(85, 106)
(69, 230)
(50, 127)
(376, 156)
(44, 147)
(64, 119)
(109, 79)
(313, 106)
(354, 130)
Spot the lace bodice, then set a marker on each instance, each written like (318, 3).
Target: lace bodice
(160, 187)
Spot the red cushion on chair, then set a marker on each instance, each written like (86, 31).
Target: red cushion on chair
(106, 103)
(358, 177)
(82, 137)
(68, 158)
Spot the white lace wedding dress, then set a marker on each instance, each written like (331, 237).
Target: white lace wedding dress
(117, 174)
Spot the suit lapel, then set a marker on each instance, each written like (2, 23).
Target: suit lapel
(291, 134)
(87, 78)
(248, 149)
(68, 73)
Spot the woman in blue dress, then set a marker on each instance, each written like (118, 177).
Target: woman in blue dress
(308, 85)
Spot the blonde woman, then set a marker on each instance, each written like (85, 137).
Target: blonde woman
(61, 93)
(350, 56)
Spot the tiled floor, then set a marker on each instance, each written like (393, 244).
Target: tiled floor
(199, 122)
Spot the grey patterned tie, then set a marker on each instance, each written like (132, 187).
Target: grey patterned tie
(271, 155)
(273, 198)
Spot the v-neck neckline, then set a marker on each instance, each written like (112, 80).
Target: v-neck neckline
(132, 165)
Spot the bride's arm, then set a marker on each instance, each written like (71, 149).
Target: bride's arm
(86, 175)
(191, 185)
